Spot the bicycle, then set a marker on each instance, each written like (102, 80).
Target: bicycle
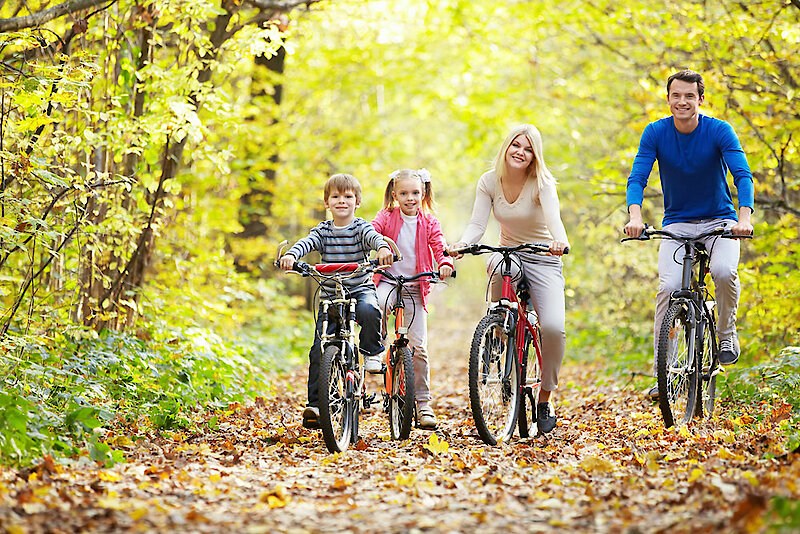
(399, 392)
(687, 356)
(342, 387)
(504, 381)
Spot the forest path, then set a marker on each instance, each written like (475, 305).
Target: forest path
(609, 466)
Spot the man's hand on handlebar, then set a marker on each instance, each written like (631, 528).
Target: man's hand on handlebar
(287, 262)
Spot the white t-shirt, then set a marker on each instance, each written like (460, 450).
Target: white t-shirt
(407, 243)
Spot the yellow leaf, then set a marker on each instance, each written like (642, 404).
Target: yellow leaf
(15, 529)
(594, 464)
(405, 479)
(108, 476)
(436, 446)
(214, 478)
(695, 474)
(683, 431)
(277, 497)
(725, 454)
(751, 478)
(138, 513)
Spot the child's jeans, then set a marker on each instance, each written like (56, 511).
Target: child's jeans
(368, 315)
(416, 319)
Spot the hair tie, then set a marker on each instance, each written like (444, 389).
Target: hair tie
(424, 175)
(394, 174)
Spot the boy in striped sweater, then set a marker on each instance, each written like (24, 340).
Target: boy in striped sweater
(344, 239)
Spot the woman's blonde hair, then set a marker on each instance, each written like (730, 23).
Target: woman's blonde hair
(538, 168)
(424, 177)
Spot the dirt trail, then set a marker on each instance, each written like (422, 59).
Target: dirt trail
(608, 467)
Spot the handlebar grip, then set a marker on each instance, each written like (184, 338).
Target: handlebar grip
(453, 275)
(566, 251)
(300, 267)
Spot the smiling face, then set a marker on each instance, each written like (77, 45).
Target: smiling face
(519, 155)
(684, 101)
(342, 205)
(408, 195)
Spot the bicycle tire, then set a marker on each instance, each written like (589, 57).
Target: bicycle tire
(709, 363)
(335, 403)
(401, 394)
(494, 399)
(676, 368)
(531, 387)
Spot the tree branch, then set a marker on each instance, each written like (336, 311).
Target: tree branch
(277, 5)
(37, 19)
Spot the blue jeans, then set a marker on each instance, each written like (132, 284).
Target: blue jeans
(368, 316)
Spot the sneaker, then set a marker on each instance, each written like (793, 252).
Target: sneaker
(545, 417)
(373, 364)
(427, 419)
(652, 393)
(728, 351)
(311, 417)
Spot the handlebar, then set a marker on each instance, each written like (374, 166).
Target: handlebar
(653, 233)
(477, 248)
(433, 275)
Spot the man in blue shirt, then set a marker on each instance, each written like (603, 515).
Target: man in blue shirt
(694, 153)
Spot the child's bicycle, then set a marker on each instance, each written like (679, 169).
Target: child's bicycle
(504, 383)
(687, 357)
(342, 388)
(399, 375)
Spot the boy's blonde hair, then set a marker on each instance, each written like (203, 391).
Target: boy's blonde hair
(537, 169)
(343, 182)
(424, 178)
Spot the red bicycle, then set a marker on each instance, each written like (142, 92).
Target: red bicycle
(504, 377)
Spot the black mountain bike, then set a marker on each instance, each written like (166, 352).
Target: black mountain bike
(687, 356)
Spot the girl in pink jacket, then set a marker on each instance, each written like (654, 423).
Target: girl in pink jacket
(418, 235)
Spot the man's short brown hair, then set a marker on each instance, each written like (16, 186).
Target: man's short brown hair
(343, 182)
(690, 76)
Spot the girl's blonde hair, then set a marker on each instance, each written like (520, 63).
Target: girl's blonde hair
(537, 169)
(424, 177)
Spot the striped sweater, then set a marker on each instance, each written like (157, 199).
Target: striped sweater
(348, 244)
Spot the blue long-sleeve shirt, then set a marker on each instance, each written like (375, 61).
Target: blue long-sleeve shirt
(693, 167)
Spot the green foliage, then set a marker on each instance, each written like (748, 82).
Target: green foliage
(771, 383)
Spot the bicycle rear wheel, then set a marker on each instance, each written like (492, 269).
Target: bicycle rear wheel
(493, 392)
(709, 364)
(531, 387)
(401, 393)
(335, 401)
(678, 379)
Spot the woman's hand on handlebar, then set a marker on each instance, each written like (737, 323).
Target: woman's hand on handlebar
(287, 262)
(452, 250)
(445, 271)
(558, 248)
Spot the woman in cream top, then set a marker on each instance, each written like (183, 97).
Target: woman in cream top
(521, 193)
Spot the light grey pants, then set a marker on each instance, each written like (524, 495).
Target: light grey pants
(724, 255)
(416, 320)
(546, 287)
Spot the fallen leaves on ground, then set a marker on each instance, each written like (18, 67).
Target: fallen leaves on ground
(609, 466)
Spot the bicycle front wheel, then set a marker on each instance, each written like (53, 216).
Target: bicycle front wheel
(709, 364)
(531, 387)
(493, 381)
(335, 402)
(678, 379)
(401, 393)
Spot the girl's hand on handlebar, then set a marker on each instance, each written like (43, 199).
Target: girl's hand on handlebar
(445, 271)
(451, 250)
(385, 256)
(287, 262)
(558, 248)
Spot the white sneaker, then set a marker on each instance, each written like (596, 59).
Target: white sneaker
(373, 364)
(427, 419)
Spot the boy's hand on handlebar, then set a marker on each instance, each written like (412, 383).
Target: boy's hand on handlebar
(634, 228)
(445, 271)
(287, 262)
(385, 256)
(558, 248)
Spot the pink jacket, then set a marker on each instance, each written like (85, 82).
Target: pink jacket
(430, 242)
